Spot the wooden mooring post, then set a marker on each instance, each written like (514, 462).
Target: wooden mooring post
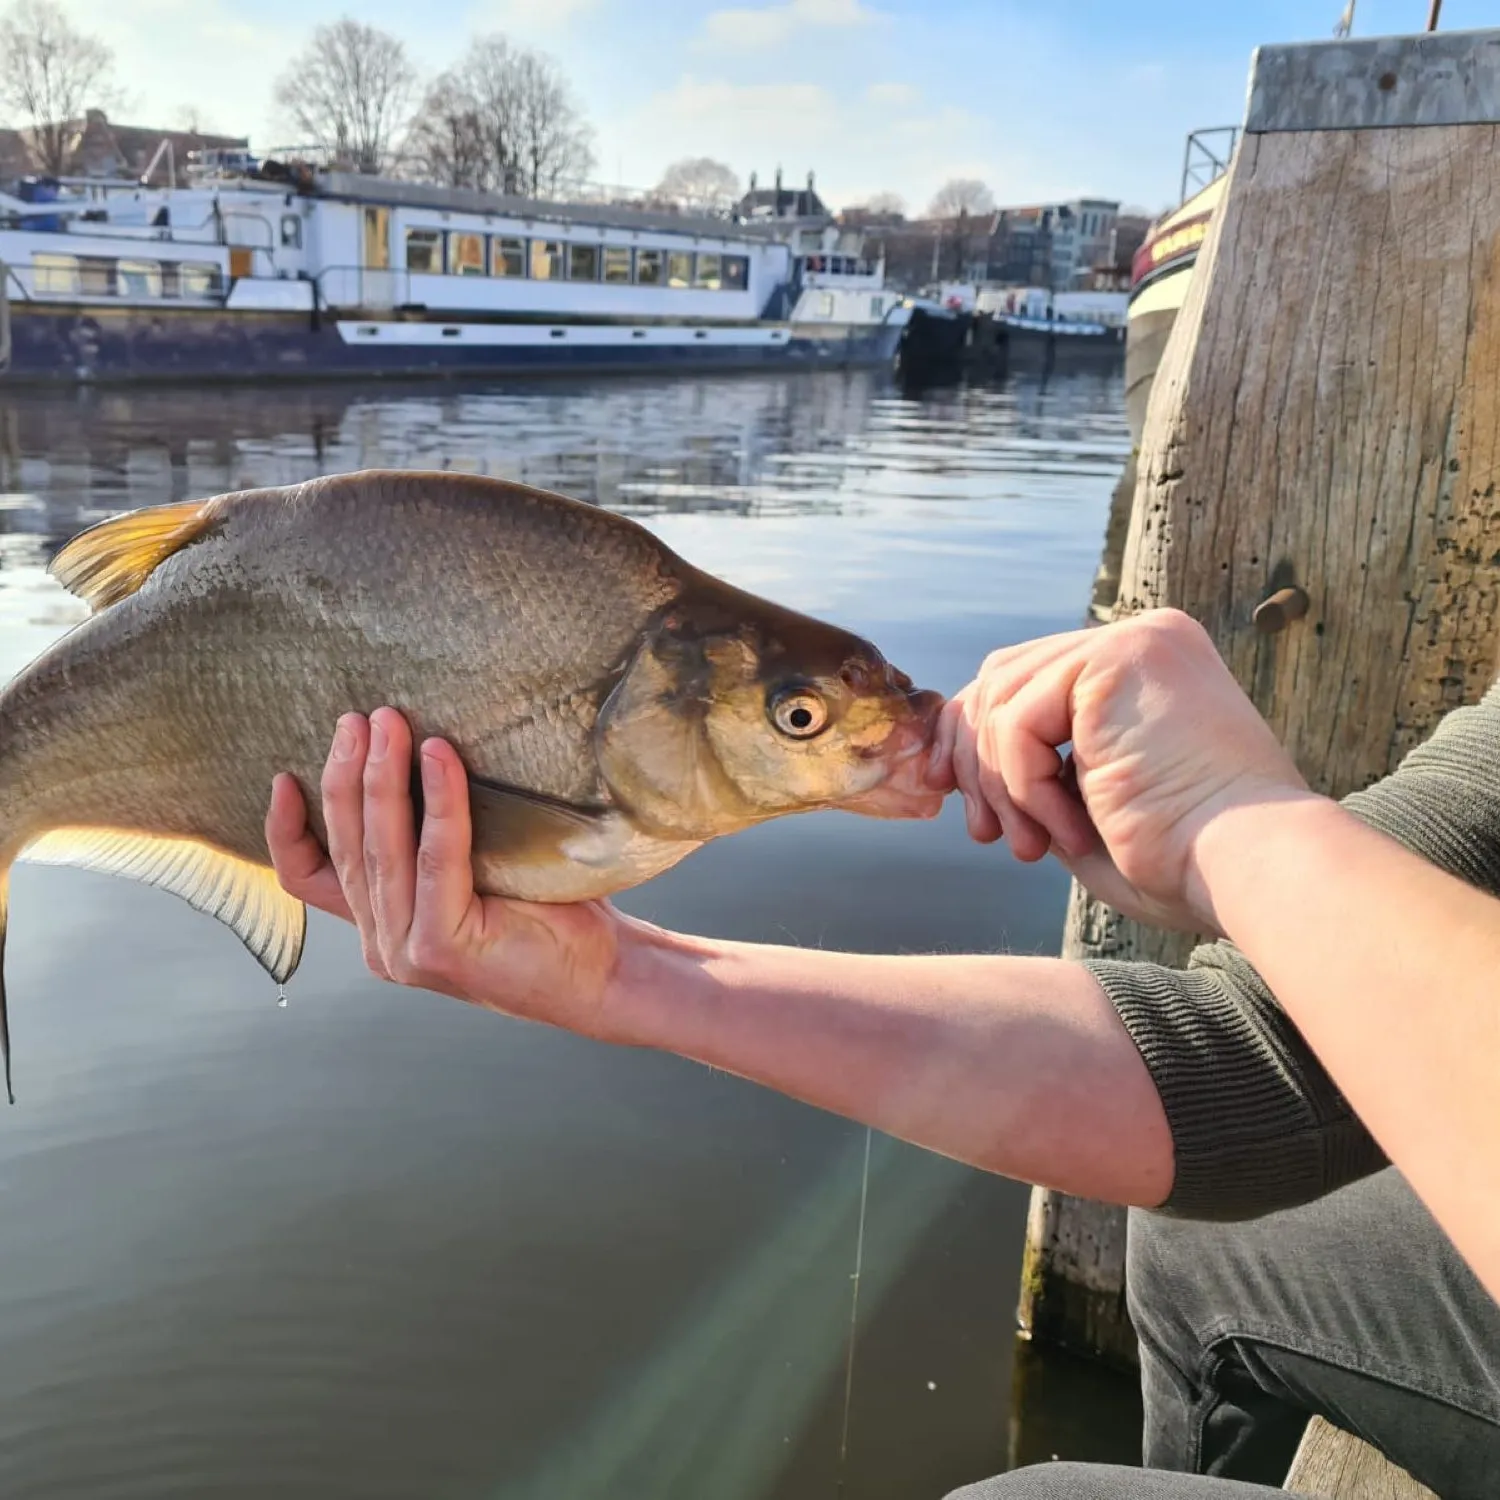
(1325, 420)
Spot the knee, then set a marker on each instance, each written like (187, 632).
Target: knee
(1168, 1265)
(1049, 1481)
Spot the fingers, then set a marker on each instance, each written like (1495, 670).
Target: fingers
(1004, 763)
(344, 815)
(445, 899)
(985, 821)
(301, 864)
(1028, 840)
(1036, 720)
(390, 840)
(410, 900)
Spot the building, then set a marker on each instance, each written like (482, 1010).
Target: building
(781, 202)
(1053, 245)
(99, 148)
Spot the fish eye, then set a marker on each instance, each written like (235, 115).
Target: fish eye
(799, 712)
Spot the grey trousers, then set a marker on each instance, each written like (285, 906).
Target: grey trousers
(1355, 1307)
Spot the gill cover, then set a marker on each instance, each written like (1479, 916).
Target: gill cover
(652, 740)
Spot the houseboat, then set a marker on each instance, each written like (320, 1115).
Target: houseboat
(266, 271)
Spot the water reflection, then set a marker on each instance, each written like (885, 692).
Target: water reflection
(378, 1245)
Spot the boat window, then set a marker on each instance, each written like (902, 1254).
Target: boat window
(825, 305)
(709, 276)
(877, 307)
(583, 263)
(96, 276)
(679, 268)
(736, 273)
(546, 260)
(291, 232)
(465, 254)
(138, 278)
(55, 273)
(616, 263)
(508, 256)
(648, 267)
(424, 250)
(198, 279)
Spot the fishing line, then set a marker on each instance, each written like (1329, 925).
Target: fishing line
(859, 1260)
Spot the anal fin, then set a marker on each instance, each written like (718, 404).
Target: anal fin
(245, 896)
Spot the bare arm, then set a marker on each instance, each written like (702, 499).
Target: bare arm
(1391, 969)
(1180, 806)
(1017, 1065)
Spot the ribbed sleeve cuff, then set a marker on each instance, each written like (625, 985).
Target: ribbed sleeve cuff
(1256, 1125)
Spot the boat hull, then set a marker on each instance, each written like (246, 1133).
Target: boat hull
(67, 344)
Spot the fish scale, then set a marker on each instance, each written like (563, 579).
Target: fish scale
(614, 706)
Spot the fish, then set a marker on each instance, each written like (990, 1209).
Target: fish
(615, 707)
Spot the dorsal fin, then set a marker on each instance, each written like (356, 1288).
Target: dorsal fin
(246, 897)
(114, 558)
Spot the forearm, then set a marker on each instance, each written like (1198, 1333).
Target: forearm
(1390, 968)
(1019, 1066)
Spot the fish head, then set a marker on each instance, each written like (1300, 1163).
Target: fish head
(734, 711)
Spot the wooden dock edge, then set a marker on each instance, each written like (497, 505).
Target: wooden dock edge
(1332, 1464)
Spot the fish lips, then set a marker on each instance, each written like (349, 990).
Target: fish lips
(903, 792)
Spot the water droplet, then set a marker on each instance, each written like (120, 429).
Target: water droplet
(281, 996)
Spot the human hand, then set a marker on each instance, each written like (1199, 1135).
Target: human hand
(1162, 741)
(420, 920)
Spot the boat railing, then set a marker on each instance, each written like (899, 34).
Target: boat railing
(379, 288)
(1206, 157)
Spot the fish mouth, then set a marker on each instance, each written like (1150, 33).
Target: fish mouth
(903, 792)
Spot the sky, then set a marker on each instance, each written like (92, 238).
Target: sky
(1038, 100)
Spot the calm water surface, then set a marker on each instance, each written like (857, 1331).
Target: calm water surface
(380, 1245)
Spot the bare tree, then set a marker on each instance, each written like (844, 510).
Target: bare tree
(348, 92)
(50, 74)
(699, 180)
(446, 141)
(888, 205)
(880, 206)
(960, 195)
(191, 118)
(502, 120)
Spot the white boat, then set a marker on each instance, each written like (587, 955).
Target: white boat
(262, 271)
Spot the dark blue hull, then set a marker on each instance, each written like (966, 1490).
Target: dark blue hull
(82, 345)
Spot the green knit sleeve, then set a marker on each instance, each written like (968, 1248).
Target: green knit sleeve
(1257, 1124)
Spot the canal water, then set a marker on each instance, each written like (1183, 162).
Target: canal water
(377, 1244)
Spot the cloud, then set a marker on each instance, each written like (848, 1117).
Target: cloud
(528, 17)
(772, 112)
(761, 28)
(893, 95)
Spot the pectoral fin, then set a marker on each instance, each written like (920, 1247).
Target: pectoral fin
(521, 827)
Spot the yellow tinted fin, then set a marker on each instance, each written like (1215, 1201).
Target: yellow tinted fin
(113, 559)
(246, 897)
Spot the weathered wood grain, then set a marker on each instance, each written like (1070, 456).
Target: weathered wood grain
(1326, 413)
(1335, 1465)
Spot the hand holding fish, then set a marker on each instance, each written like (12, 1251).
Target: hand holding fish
(1162, 741)
(412, 895)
